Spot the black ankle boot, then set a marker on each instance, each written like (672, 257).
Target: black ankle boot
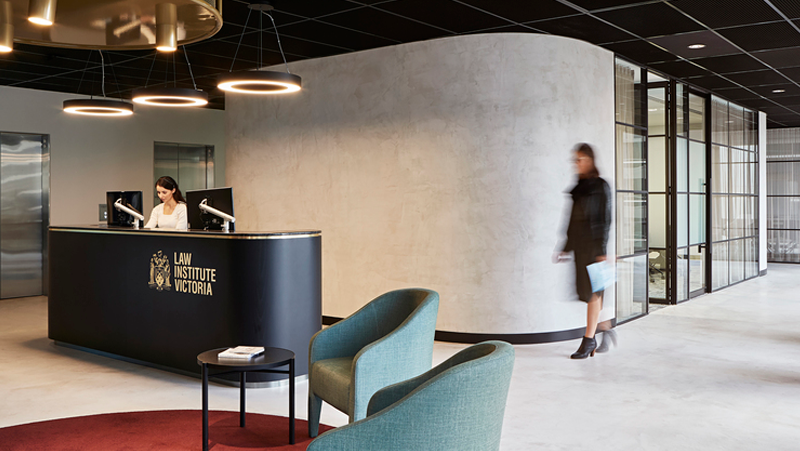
(608, 336)
(588, 346)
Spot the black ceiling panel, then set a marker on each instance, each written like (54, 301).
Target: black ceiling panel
(595, 5)
(304, 8)
(789, 8)
(447, 15)
(788, 89)
(390, 26)
(508, 29)
(757, 78)
(680, 69)
(714, 45)
(640, 51)
(792, 72)
(653, 19)
(788, 100)
(523, 11)
(716, 14)
(737, 94)
(778, 59)
(757, 104)
(583, 27)
(730, 63)
(711, 82)
(760, 37)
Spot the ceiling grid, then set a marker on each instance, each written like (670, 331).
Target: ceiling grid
(751, 53)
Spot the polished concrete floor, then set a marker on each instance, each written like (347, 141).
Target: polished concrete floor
(720, 372)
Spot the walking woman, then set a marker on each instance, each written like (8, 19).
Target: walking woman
(587, 236)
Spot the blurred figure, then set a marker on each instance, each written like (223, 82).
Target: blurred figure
(587, 235)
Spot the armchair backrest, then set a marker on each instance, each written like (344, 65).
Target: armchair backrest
(388, 311)
(459, 404)
(379, 318)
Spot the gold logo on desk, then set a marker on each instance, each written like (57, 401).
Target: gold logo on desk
(159, 272)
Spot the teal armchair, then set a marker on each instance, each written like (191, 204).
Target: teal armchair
(458, 405)
(387, 341)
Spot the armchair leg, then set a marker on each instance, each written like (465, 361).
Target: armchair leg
(314, 410)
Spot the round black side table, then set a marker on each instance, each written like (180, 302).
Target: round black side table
(265, 363)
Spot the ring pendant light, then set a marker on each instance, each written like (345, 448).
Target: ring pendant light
(171, 96)
(258, 81)
(98, 107)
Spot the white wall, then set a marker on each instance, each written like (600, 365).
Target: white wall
(90, 155)
(441, 164)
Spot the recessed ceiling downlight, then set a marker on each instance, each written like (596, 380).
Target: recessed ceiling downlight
(98, 107)
(778, 91)
(259, 82)
(170, 97)
(697, 46)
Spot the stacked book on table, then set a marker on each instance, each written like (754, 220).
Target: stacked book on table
(241, 353)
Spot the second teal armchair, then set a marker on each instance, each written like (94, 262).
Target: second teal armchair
(456, 406)
(387, 341)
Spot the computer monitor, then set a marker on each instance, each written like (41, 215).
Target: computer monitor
(131, 199)
(219, 198)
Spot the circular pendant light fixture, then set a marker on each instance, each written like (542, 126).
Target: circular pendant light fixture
(98, 107)
(258, 81)
(170, 97)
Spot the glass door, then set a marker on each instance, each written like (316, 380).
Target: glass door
(657, 171)
(691, 188)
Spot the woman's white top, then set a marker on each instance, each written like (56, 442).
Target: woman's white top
(177, 220)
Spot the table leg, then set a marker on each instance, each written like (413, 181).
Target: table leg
(291, 401)
(205, 406)
(242, 383)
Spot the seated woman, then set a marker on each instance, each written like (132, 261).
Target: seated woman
(171, 212)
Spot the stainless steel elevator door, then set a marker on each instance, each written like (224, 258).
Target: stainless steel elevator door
(24, 192)
(191, 165)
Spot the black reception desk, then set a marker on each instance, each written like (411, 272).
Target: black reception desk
(163, 297)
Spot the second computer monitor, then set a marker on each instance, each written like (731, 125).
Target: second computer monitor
(219, 198)
(132, 199)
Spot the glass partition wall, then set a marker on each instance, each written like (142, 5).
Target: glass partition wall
(686, 191)
(658, 145)
(783, 195)
(631, 191)
(734, 198)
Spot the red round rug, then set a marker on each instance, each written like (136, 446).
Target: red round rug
(172, 430)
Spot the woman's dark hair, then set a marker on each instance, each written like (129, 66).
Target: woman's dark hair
(169, 183)
(587, 150)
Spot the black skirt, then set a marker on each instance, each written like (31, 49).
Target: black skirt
(583, 286)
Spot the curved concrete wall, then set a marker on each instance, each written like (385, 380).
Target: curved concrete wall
(441, 164)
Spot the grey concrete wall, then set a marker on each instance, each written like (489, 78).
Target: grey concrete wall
(92, 155)
(441, 164)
